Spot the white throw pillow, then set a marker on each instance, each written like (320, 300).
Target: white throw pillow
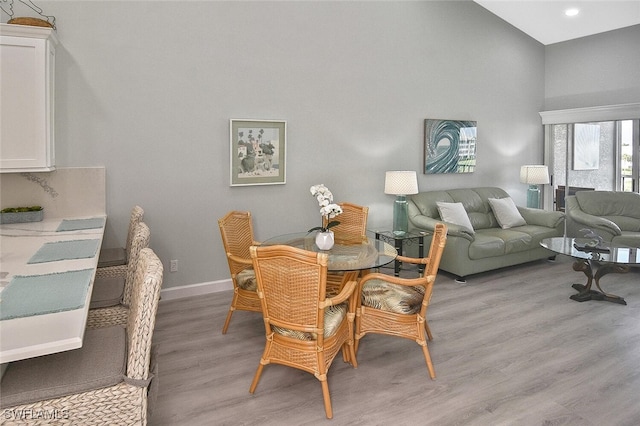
(454, 213)
(506, 212)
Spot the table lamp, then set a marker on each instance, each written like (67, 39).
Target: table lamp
(400, 184)
(534, 176)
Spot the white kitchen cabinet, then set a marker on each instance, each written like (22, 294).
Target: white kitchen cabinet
(27, 72)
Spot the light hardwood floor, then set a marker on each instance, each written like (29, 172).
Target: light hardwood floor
(509, 348)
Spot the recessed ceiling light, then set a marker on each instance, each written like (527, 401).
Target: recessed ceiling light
(572, 12)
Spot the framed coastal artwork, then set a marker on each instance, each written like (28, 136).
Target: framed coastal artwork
(449, 146)
(258, 152)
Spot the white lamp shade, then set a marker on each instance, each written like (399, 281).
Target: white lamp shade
(404, 182)
(534, 175)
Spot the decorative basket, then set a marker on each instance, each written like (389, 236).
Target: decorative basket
(33, 22)
(21, 217)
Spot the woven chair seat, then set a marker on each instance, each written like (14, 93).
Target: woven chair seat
(113, 256)
(247, 280)
(99, 363)
(390, 297)
(107, 292)
(333, 317)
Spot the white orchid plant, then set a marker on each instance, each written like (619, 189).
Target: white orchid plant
(328, 209)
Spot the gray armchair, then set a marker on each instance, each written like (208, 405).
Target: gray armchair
(614, 216)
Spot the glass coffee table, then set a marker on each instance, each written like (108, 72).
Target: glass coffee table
(602, 260)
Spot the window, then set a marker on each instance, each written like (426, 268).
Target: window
(591, 149)
(629, 149)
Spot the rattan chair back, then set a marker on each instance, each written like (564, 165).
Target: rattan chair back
(140, 240)
(353, 224)
(145, 296)
(115, 264)
(292, 291)
(137, 216)
(397, 306)
(118, 314)
(236, 230)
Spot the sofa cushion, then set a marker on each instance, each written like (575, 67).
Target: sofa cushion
(476, 206)
(426, 202)
(486, 245)
(538, 233)
(99, 363)
(515, 241)
(498, 242)
(454, 213)
(506, 212)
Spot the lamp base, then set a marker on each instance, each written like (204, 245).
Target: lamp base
(533, 197)
(400, 216)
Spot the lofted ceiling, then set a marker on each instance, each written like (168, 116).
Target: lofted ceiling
(545, 20)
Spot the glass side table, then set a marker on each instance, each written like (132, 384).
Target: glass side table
(399, 241)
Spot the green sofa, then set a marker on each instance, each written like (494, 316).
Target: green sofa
(487, 246)
(614, 216)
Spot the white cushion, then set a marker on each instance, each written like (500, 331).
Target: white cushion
(454, 213)
(506, 212)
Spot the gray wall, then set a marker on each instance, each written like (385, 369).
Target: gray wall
(147, 89)
(599, 70)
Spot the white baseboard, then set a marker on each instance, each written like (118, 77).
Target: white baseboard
(195, 289)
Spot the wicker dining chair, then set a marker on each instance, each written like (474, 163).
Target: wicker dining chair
(236, 230)
(352, 229)
(353, 224)
(112, 262)
(397, 306)
(304, 329)
(107, 380)
(111, 295)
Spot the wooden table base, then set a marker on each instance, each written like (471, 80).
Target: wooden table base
(585, 292)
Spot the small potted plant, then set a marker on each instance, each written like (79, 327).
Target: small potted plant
(328, 210)
(21, 214)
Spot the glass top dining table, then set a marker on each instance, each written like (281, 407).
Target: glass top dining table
(370, 253)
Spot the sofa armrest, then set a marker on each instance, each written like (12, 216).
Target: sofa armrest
(426, 223)
(550, 219)
(595, 223)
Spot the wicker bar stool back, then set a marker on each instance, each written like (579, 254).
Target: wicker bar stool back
(304, 329)
(107, 381)
(113, 261)
(114, 308)
(236, 230)
(397, 306)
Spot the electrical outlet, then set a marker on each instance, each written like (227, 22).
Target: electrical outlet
(174, 265)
